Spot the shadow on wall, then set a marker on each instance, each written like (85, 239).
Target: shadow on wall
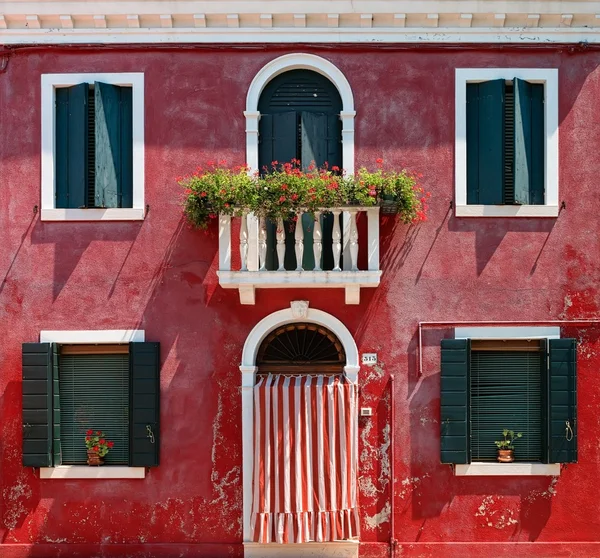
(518, 507)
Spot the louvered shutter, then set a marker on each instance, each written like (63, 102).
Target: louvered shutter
(455, 401)
(529, 143)
(562, 401)
(485, 142)
(506, 392)
(37, 404)
(94, 395)
(114, 146)
(144, 426)
(71, 153)
(56, 434)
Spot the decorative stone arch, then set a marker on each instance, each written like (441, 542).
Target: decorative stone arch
(300, 61)
(298, 312)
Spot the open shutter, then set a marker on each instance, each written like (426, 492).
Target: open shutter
(71, 155)
(144, 428)
(529, 143)
(455, 401)
(37, 404)
(56, 433)
(562, 401)
(485, 142)
(114, 146)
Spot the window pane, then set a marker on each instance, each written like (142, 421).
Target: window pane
(94, 394)
(506, 393)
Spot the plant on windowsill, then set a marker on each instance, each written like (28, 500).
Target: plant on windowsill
(284, 190)
(97, 446)
(506, 447)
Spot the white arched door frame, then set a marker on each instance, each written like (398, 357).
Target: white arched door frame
(298, 312)
(300, 61)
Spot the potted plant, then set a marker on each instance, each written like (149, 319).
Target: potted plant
(506, 446)
(97, 446)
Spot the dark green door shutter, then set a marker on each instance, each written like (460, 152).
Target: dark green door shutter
(114, 146)
(144, 430)
(71, 157)
(562, 401)
(485, 142)
(529, 142)
(56, 434)
(37, 404)
(455, 401)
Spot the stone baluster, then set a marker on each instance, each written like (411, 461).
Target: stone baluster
(353, 241)
(280, 235)
(262, 244)
(337, 240)
(317, 241)
(299, 236)
(244, 242)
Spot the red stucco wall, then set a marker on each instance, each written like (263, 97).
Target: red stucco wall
(160, 276)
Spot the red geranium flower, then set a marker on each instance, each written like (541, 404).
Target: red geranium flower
(110, 444)
(88, 438)
(102, 442)
(96, 448)
(98, 433)
(89, 432)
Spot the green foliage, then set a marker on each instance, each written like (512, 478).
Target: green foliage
(96, 440)
(509, 438)
(287, 189)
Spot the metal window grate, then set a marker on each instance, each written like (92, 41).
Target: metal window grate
(94, 394)
(506, 392)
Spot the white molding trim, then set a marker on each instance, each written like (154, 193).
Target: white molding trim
(295, 62)
(95, 336)
(248, 369)
(548, 77)
(50, 82)
(318, 35)
(342, 549)
(516, 332)
(83, 472)
(507, 469)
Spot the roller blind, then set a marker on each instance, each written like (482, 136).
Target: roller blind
(94, 394)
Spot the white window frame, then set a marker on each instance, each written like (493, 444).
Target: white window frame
(50, 82)
(110, 336)
(484, 469)
(548, 77)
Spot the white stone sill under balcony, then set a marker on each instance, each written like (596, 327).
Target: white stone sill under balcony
(247, 281)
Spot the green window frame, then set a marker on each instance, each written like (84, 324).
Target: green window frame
(94, 146)
(137, 365)
(503, 391)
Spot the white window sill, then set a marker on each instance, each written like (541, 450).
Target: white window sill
(342, 549)
(507, 211)
(112, 214)
(507, 469)
(84, 472)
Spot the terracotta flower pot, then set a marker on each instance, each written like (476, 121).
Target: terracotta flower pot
(93, 458)
(506, 455)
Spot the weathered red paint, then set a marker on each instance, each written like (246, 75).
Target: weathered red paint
(160, 276)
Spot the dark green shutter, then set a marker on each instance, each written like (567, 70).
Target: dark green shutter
(454, 401)
(114, 146)
(562, 401)
(485, 142)
(71, 155)
(37, 404)
(506, 392)
(94, 395)
(529, 143)
(56, 437)
(144, 424)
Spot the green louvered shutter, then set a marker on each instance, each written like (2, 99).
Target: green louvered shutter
(94, 395)
(454, 401)
(114, 146)
(485, 142)
(144, 426)
(37, 404)
(529, 143)
(562, 401)
(506, 392)
(56, 438)
(71, 154)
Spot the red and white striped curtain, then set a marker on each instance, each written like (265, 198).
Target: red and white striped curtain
(305, 459)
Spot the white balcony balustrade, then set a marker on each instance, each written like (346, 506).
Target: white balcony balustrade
(317, 251)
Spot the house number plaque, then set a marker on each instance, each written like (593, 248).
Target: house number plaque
(369, 359)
